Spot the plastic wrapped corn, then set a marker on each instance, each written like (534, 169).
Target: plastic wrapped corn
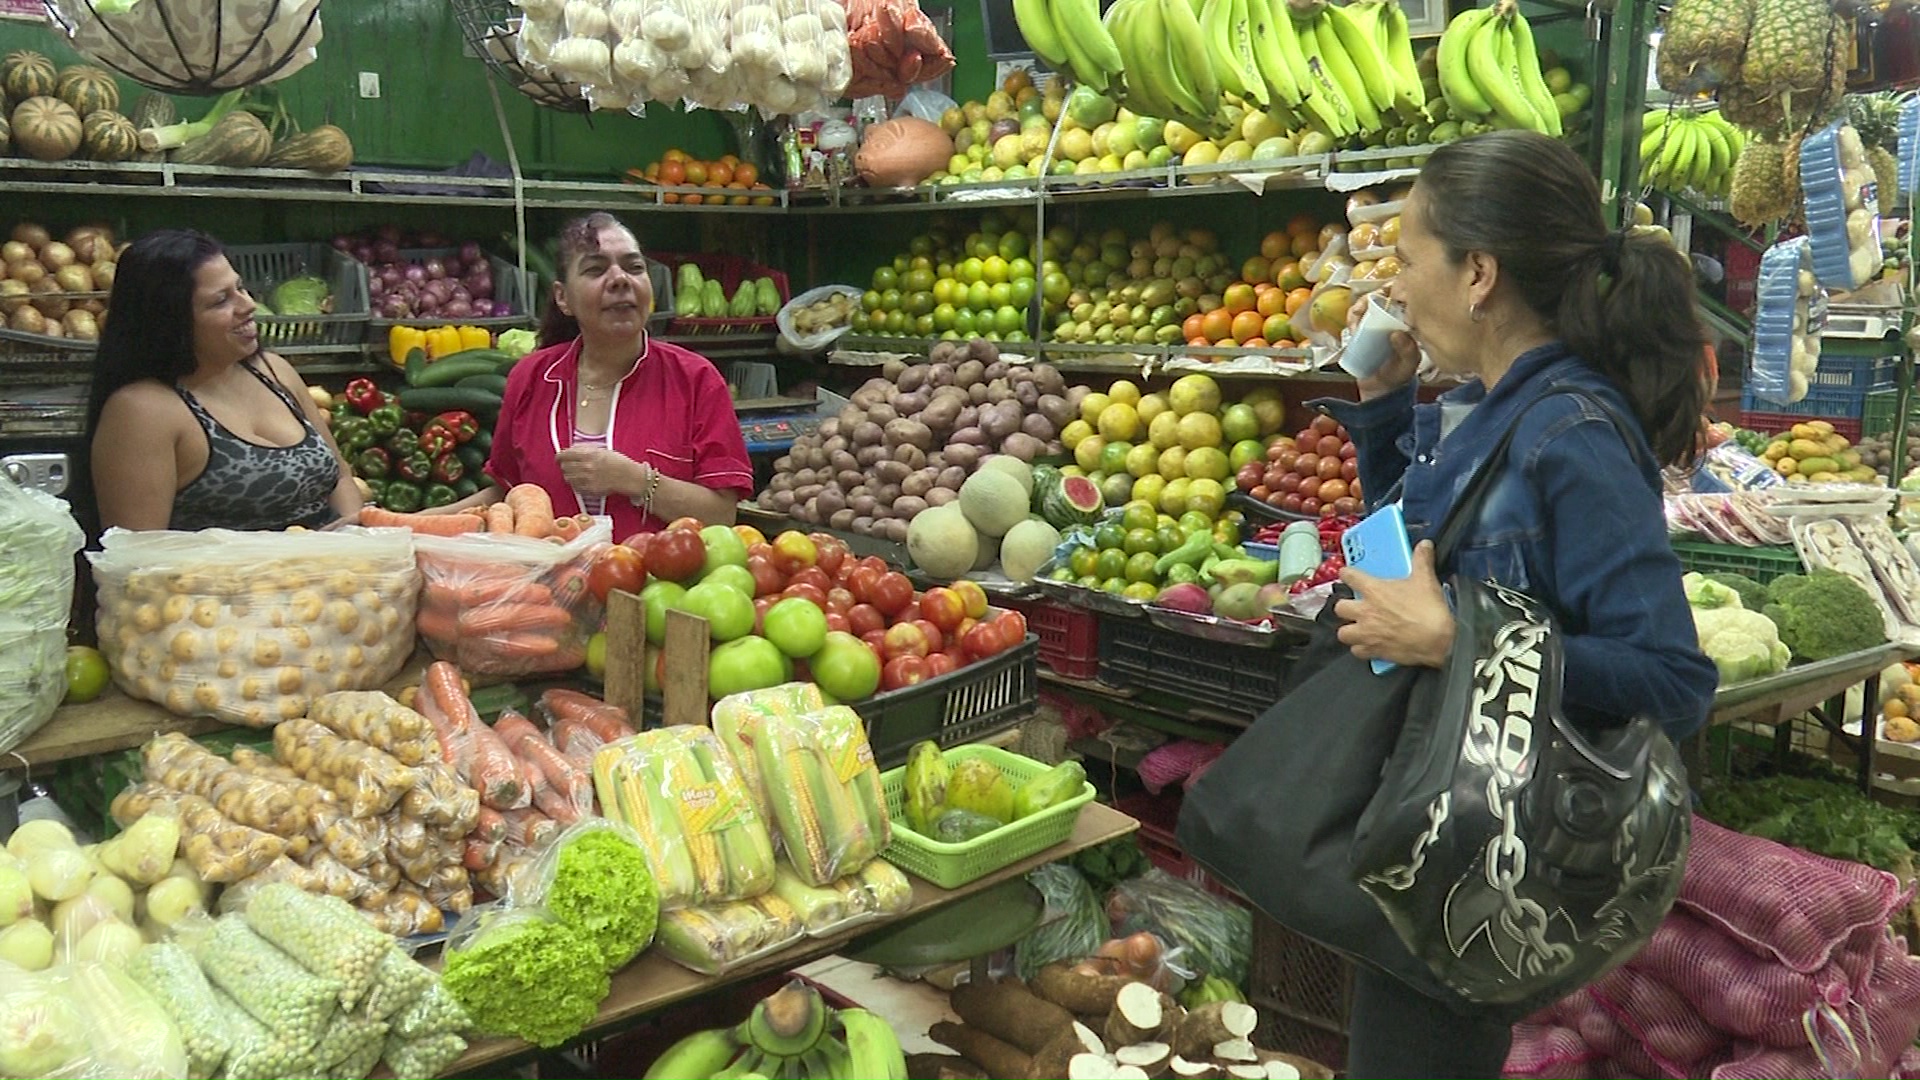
(379, 721)
(431, 1012)
(219, 849)
(274, 989)
(678, 790)
(175, 979)
(715, 939)
(260, 1052)
(349, 1036)
(426, 1056)
(737, 719)
(888, 889)
(398, 981)
(98, 1022)
(441, 801)
(877, 891)
(259, 802)
(823, 792)
(365, 779)
(325, 935)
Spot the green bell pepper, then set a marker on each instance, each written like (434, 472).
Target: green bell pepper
(352, 436)
(386, 420)
(376, 491)
(402, 443)
(403, 498)
(414, 468)
(441, 495)
(373, 463)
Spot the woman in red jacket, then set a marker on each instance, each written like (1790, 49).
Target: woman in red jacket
(607, 420)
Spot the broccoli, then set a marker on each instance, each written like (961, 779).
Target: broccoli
(1753, 595)
(1823, 615)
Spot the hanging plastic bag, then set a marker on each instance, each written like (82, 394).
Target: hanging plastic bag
(1842, 205)
(1216, 936)
(1071, 929)
(36, 595)
(926, 104)
(1789, 313)
(510, 605)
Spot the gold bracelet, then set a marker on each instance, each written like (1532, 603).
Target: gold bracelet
(653, 488)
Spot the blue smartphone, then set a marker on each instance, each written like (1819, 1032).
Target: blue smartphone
(1378, 545)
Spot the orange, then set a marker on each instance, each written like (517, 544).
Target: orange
(1247, 324)
(738, 200)
(1238, 298)
(1256, 268)
(1216, 325)
(745, 173)
(696, 173)
(764, 200)
(1302, 223)
(729, 160)
(1198, 341)
(1271, 301)
(1289, 275)
(653, 172)
(1275, 245)
(1191, 328)
(720, 174)
(1298, 298)
(669, 197)
(675, 154)
(1276, 327)
(673, 171)
(1255, 343)
(1304, 242)
(692, 200)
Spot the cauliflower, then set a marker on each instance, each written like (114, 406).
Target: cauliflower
(1742, 644)
(1704, 593)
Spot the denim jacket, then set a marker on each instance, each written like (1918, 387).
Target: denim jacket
(1575, 520)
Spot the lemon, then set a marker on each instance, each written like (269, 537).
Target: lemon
(1173, 499)
(1206, 496)
(1199, 429)
(1150, 406)
(1118, 422)
(1074, 433)
(1147, 489)
(1208, 463)
(1194, 394)
(86, 674)
(1143, 459)
(1163, 430)
(1124, 393)
(1173, 464)
(1092, 406)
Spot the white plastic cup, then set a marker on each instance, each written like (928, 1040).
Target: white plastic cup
(1370, 345)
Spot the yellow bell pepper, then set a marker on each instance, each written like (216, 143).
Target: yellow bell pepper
(402, 340)
(475, 337)
(442, 341)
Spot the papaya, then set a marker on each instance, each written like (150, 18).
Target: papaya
(1812, 466)
(1803, 449)
(1834, 443)
(1049, 789)
(978, 786)
(959, 826)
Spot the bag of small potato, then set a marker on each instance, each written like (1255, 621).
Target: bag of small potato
(509, 605)
(249, 628)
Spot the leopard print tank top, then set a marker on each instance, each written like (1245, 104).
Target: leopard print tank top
(249, 486)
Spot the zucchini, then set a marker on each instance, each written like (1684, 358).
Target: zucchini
(453, 367)
(475, 460)
(438, 399)
(495, 383)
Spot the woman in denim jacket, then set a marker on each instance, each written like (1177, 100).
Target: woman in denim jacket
(1513, 283)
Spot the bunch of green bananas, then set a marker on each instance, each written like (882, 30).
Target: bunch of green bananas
(1490, 72)
(1681, 149)
(791, 1034)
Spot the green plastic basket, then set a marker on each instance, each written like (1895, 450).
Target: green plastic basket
(1762, 564)
(953, 865)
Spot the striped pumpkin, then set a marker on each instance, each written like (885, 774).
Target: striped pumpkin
(26, 74)
(88, 90)
(108, 136)
(46, 128)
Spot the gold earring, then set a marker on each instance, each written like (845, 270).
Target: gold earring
(1474, 312)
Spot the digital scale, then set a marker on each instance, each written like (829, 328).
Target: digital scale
(774, 433)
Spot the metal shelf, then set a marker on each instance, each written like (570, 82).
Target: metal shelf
(1141, 360)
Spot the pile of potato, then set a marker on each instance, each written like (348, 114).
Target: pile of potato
(909, 438)
(55, 287)
(832, 313)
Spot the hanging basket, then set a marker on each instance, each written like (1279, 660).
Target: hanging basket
(492, 30)
(196, 47)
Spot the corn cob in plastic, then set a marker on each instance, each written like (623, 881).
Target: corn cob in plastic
(681, 795)
(821, 822)
(842, 735)
(716, 938)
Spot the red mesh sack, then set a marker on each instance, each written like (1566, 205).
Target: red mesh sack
(1606, 1037)
(1780, 901)
(1891, 1003)
(1548, 1052)
(1733, 989)
(1673, 1032)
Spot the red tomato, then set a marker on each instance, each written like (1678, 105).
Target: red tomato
(809, 592)
(876, 562)
(767, 579)
(903, 671)
(944, 607)
(676, 555)
(809, 575)
(891, 594)
(905, 639)
(689, 524)
(936, 639)
(973, 598)
(940, 663)
(877, 641)
(960, 632)
(866, 619)
(1012, 628)
(840, 600)
(860, 583)
(760, 606)
(832, 553)
(638, 542)
(795, 551)
(838, 621)
(981, 641)
(763, 549)
(618, 567)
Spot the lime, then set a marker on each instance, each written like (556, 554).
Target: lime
(1081, 561)
(1244, 452)
(1114, 585)
(1113, 456)
(1109, 537)
(1061, 573)
(596, 656)
(1139, 514)
(1111, 563)
(1088, 581)
(1141, 590)
(1140, 566)
(1182, 574)
(1140, 541)
(1194, 521)
(1168, 537)
(86, 674)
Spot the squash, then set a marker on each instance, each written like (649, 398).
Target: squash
(27, 74)
(46, 128)
(88, 90)
(238, 141)
(324, 149)
(108, 136)
(153, 110)
(6, 133)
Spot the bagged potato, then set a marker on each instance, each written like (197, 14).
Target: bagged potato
(366, 780)
(180, 763)
(250, 628)
(379, 721)
(219, 849)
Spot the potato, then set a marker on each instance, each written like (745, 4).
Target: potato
(910, 432)
(829, 427)
(918, 483)
(891, 472)
(850, 417)
(968, 436)
(912, 378)
(941, 496)
(892, 369)
(940, 374)
(909, 404)
(886, 493)
(911, 456)
(941, 412)
(836, 443)
(962, 455)
(862, 525)
(1022, 445)
(783, 464)
(896, 530)
(977, 393)
(882, 413)
(987, 353)
(848, 479)
(906, 506)
(840, 519)
(863, 505)
(783, 482)
(1037, 426)
(783, 501)
(951, 478)
(831, 499)
(868, 433)
(968, 372)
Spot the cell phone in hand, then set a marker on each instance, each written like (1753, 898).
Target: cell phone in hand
(1378, 545)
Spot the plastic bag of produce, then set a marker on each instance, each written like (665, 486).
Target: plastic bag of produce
(259, 1050)
(594, 879)
(510, 605)
(403, 911)
(85, 1020)
(434, 1011)
(428, 1055)
(1217, 936)
(398, 981)
(441, 801)
(478, 756)
(174, 978)
(678, 790)
(270, 985)
(322, 875)
(519, 971)
(351, 1037)
(562, 788)
(324, 934)
(175, 761)
(716, 938)
(379, 721)
(357, 842)
(250, 628)
(36, 593)
(365, 780)
(1073, 927)
(580, 724)
(877, 891)
(218, 848)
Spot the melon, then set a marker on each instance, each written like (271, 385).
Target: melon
(993, 499)
(1044, 478)
(26, 74)
(46, 128)
(1013, 467)
(1026, 548)
(942, 542)
(1073, 500)
(88, 90)
(989, 551)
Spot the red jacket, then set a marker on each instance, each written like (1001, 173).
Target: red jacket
(673, 411)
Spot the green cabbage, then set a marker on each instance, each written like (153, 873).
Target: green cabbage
(302, 296)
(517, 342)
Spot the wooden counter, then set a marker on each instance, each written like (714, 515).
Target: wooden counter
(653, 982)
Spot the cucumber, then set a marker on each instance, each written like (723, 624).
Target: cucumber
(474, 460)
(495, 383)
(415, 366)
(482, 441)
(438, 399)
(453, 367)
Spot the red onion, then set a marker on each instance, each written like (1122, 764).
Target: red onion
(343, 243)
(470, 253)
(479, 283)
(457, 309)
(394, 274)
(460, 293)
(434, 268)
(393, 307)
(427, 304)
(407, 291)
(389, 233)
(386, 251)
(361, 251)
(439, 288)
(483, 308)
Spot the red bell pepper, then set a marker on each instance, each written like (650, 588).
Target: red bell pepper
(436, 440)
(364, 396)
(459, 423)
(448, 468)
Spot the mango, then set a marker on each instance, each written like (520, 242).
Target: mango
(1861, 474)
(977, 786)
(1049, 789)
(1802, 449)
(1851, 459)
(1775, 450)
(1834, 443)
(1811, 467)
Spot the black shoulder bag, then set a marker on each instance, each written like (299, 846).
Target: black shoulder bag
(1448, 826)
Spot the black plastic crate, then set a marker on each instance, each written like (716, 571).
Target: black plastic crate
(1233, 679)
(958, 707)
(1303, 991)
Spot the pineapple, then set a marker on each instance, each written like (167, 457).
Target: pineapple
(1886, 173)
(1794, 51)
(1759, 194)
(1702, 44)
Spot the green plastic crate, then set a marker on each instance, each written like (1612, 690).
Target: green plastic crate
(1877, 418)
(1762, 564)
(953, 865)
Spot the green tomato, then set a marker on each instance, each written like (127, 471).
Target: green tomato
(724, 547)
(728, 611)
(796, 627)
(747, 663)
(734, 577)
(845, 668)
(660, 597)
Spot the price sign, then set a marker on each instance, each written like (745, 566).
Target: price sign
(25, 10)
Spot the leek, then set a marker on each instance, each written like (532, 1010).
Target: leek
(177, 135)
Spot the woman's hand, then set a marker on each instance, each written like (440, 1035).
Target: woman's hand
(1406, 621)
(1402, 363)
(598, 471)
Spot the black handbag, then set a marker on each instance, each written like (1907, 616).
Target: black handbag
(1448, 826)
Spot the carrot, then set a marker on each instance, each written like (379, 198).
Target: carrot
(577, 741)
(493, 619)
(561, 704)
(490, 826)
(519, 645)
(565, 528)
(442, 683)
(551, 802)
(478, 855)
(500, 518)
(431, 524)
(560, 774)
(512, 727)
(532, 510)
(529, 828)
(452, 746)
(495, 773)
(436, 623)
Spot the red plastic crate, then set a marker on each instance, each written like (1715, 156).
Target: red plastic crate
(1069, 636)
(729, 271)
(1774, 423)
(1082, 720)
(1158, 815)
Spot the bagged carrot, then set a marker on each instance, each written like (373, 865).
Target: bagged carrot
(609, 723)
(490, 825)
(478, 854)
(570, 782)
(518, 601)
(528, 829)
(495, 773)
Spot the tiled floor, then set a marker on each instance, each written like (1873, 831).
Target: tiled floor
(911, 1008)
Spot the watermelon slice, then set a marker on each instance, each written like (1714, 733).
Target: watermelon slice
(1073, 500)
